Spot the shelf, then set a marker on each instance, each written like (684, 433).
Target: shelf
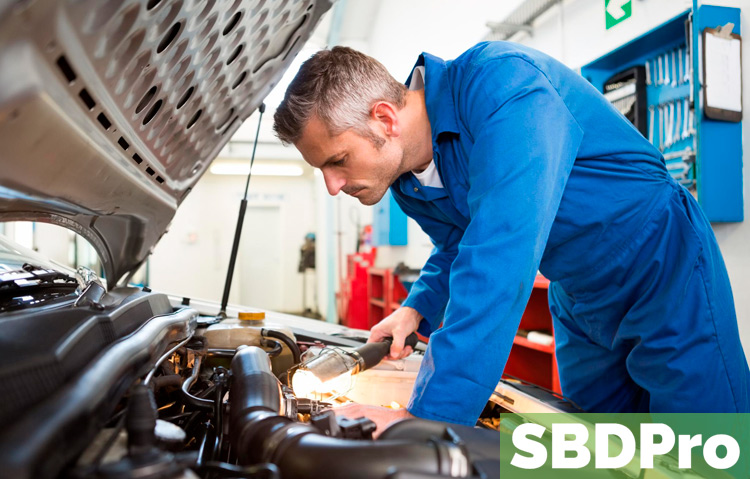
(377, 302)
(534, 362)
(521, 341)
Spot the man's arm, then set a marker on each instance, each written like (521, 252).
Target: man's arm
(525, 143)
(424, 308)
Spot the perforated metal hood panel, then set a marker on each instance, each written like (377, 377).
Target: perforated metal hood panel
(110, 111)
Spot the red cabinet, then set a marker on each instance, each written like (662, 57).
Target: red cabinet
(385, 293)
(531, 361)
(353, 295)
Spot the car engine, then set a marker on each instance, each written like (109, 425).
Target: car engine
(123, 384)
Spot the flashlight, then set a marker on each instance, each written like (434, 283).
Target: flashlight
(330, 371)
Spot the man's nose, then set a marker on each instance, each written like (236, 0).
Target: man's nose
(334, 183)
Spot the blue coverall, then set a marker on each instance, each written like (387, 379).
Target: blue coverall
(540, 172)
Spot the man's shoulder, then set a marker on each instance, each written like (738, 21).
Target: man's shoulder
(487, 51)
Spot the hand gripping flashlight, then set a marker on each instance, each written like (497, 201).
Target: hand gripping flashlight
(331, 370)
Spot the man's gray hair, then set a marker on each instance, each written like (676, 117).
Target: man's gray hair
(339, 86)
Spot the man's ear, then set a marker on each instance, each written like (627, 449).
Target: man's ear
(385, 115)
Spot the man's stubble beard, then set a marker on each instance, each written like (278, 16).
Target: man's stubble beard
(386, 182)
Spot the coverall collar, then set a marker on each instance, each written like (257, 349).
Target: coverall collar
(438, 95)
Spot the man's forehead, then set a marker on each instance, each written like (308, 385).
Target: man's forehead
(316, 144)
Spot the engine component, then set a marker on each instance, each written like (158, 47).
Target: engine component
(65, 340)
(30, 447)
(330, 425)
(260, 434)
(231, 333)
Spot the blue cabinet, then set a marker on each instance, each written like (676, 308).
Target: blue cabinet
(704, 155)
(389, 223)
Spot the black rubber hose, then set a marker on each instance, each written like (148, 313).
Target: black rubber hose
(220, 353)
(223, 469)
(260, 434)
(275, 346)
(218, 421)
(296, 353)
(194, 400)
(254, 387)
(306, 456)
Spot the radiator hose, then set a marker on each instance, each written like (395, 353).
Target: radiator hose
(260, 433)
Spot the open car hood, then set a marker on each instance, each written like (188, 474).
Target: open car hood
(111, 111)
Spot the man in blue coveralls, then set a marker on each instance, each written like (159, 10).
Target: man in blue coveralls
(513, 163)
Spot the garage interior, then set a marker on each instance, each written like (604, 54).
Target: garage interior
(287, 202)
(346, 266)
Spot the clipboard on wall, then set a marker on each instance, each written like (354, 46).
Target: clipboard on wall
(722, 74)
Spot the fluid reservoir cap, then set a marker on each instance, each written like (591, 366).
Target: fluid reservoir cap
(252, 315)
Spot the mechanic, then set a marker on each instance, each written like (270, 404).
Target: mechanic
(513, 163)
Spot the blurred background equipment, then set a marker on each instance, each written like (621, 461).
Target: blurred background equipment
(307, 262)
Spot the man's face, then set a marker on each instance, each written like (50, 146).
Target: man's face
(351, 162)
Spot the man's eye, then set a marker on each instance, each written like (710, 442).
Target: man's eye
(339, 162)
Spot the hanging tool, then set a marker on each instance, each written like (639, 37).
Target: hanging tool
(660, 76)
(651, 117)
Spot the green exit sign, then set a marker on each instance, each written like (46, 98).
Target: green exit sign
(617, 11)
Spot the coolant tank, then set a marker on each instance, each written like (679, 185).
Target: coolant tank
(245, 330)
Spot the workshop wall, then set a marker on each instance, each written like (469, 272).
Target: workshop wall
(192, 257)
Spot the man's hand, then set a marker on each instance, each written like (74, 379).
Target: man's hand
(397, 325)
(381, 416)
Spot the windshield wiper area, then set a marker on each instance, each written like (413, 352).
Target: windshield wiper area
(31, 286)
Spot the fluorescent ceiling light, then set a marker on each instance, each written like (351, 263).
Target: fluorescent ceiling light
(259, 169)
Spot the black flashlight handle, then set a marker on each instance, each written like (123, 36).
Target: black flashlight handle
(373, 353)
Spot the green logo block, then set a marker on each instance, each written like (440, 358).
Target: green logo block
(616, 11)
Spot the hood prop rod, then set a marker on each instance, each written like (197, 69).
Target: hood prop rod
(240, 219)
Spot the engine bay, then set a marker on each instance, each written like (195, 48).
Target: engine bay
(129, 384)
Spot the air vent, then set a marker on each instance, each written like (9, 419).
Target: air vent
(177, 74)
(239, 80)
(235, 54)
(66, 69)
(185, 97)
(169, 37)
(87, 100)
(152, 112)
(232, 23)
(194, 119)
(145, 100)
(104, 121)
